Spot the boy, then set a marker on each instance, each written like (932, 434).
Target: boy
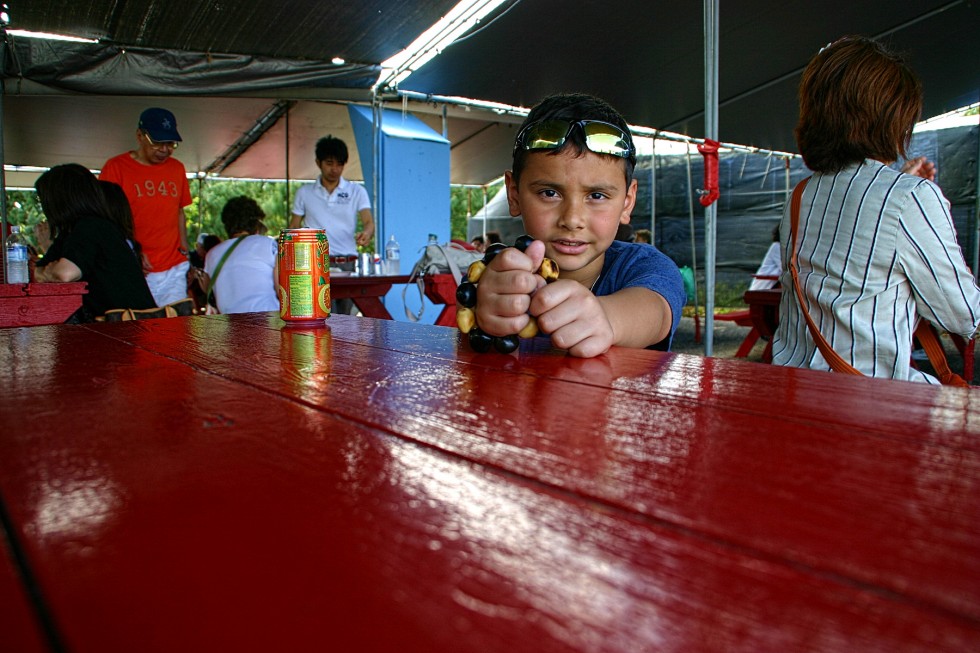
(572, 181)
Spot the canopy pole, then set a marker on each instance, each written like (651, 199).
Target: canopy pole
(976, 215)
(694, 235)
(3, 189)
(286, 137)
(379, 216)
(653, 193)
(711, 132)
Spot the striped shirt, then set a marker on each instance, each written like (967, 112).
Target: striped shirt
(877, 249)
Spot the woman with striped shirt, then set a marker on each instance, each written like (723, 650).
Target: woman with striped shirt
(877, 250)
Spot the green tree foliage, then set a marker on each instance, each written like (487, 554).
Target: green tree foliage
(204, 214)
(465, 202)
(210, 196)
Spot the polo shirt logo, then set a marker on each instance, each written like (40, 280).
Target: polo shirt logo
(344, 195)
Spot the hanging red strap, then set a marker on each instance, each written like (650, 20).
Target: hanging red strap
(709, 150)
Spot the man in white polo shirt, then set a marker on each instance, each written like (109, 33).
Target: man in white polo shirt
(334, 204)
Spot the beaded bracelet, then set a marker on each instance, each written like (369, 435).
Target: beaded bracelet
(466, 301)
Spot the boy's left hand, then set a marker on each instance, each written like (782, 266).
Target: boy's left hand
(574, 318)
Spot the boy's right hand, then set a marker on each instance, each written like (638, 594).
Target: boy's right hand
(504, 291)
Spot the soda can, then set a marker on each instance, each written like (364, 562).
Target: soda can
(303, 278)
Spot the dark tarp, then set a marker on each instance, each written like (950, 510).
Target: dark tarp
(362, 32)
(645, 56)
(115, 70)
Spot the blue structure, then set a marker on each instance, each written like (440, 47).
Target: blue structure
(412, 190)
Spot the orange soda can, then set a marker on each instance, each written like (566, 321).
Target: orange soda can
(303, 280)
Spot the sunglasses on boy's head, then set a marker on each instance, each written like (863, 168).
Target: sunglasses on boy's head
(600, 137)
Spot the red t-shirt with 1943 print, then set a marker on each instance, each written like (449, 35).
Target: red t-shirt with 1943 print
(156, 194)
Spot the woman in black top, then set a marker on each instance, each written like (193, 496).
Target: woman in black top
(88, 245)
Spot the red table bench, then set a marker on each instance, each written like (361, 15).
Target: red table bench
(34, 304)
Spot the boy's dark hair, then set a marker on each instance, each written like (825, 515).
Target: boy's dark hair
(493, 237)
(572, 107)
(330, 147)
(68, 192)
(858, 101)
(241, 214)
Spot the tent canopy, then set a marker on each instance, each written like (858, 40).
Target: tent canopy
(231, 71)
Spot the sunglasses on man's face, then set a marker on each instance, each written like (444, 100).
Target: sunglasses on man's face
(173, 145)
(600, 137)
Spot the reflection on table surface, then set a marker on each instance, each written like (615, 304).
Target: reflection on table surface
(231, 483)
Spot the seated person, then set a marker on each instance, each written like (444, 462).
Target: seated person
(121, 213)
(572, 183)
(876, 250)
(771, 266)
(245, 283)
(196, 288)
(89, 244)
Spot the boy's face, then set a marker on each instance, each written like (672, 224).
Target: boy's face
(574, 204)
(330, 169)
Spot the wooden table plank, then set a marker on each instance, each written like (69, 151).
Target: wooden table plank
(19, 625)
(897, 511)
(261, 522)
(366, 292)
(33, 304)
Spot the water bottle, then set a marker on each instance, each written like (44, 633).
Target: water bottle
(393, 255)
(17, 270)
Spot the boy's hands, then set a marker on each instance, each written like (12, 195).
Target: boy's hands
(574, 317)
(504, 293)
(509, 289)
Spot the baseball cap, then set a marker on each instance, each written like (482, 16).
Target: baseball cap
(200, 239)
(160, 124)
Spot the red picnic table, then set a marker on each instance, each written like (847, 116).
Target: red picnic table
(32, 304)
(764, 315)
(231, 483)
(366, 293)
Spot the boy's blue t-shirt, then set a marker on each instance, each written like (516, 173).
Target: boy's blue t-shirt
(628, 265)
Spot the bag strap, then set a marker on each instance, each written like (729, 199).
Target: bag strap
(453, 268)
(221, 264)
(415, 278)
(925, 334)
(836, 363)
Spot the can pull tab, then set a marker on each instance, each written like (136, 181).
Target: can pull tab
(709, 150)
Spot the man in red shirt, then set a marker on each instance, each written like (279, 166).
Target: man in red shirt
(156, 185)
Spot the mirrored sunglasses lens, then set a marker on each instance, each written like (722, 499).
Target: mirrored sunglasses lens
(606, 139)
(547, 135)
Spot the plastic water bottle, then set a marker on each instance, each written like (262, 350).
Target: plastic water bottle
(17, 270)
(393, 255)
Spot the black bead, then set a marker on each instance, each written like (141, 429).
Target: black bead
(492, 251)
(466, 294)
(479, 341)
(522, 242)
(506, 344)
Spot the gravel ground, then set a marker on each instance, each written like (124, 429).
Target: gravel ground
(728, 336)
